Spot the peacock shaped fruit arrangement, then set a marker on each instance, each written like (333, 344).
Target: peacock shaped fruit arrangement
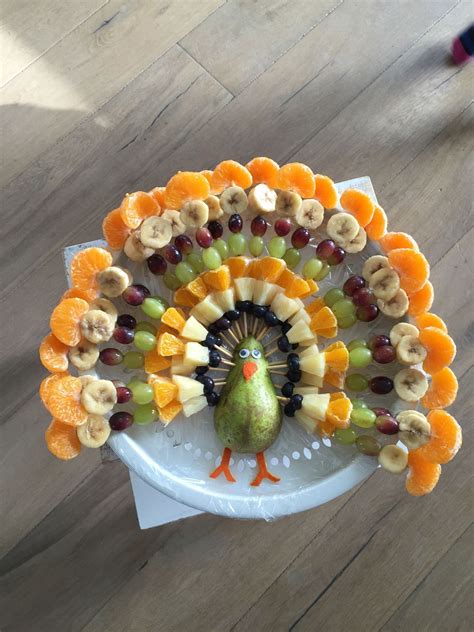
(246, 334)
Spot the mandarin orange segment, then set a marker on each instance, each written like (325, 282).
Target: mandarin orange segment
(169, 412)
(185, 298)
(393, 241)
(66, 318)
(45, 386)
(442, 391)
(440, 348)
(337, 358)
(377, 227)
(138, 206)
(315, 305)
(322, 320)
(64, 401)
(164, 329)
(197, 288)
(312, 289)
(296, 177)
(173, 319)
(334, 378)
(412, 268)
(154, 363)
(164, 391)
(62, 440)
(329, 332)
(86, 295)
(445, 440)
(53, 354)
(230, 173)
(286, 278)
(115, 231)
(253, 269)
(159, 194)
(358, 204)
(325, 191)
(326, 428)
(170, 345)
(339, 410)
(271, 268)
(186, 186)
(218, 279)
(422, 476)
(86, 265)
(338, 344)
(422, 300)
(430, 320)
(264, 170)
(298, 288)
(237, 266)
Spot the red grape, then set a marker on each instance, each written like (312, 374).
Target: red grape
(300, 238)
(325, 249)
(204, 237)
(126, 320)
(379, 340)
(381, 385)
(337, 256)
(124, 394)
(123, 335)
(352, 284)
(216, 229)
(156, 264)
(384, 355)
(172, 254)
(111, 356)
(381, 411)
(235, 223)
(184, 244)
(135, 294)
(121, 421)
(367, 313)
(386, 424)
(258, 226)
(363, 296)
(282, 226)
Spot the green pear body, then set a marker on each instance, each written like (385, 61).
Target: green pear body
(248, 416)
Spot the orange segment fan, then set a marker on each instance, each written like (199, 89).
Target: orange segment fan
(334, 378)
(442, 391)
(422, 476)
(170, 345)
(116, 232)
(86, 265)
(75, 292)
(218, 279)
(169, 412)
(298, 288)
(445, 440)
(358, 204)
(185, 298)
(230, 173)
(296, 177)
(325, 191)
(377, 227)
(422, 300)
(315, 305)
(394, 241)
(339, 410)
(63, 401)
(271, 268)
(53, 354)
(66, 318)
(62, 440)
(197, 288)
(412, 268)
(430, 320)
(186, 186)
(45, 386)
(440, 348)
(337, 357)
(164, 391)
(237, 266)
(138, 206)
(264, 170)
(154, 363)
(173, 319)
(159, 194)
(323, 321)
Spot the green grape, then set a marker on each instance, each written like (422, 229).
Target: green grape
(356, 344)
(312, 268)
(211, 258)
(277, 247)
(185, 272)
(358, 403)
(171, 281)
(222, 248)
(195, 262)
(343, 308)
(333, 296)
(145, 414)
(322, 274)
(237, 244)
(292, 257)
(363, 417)
(144, 340)
(345, 436)
(357, 382)
(133, 360)
(347, 321)
(368, 445)
(144, 325)
(256, 245)
(154, 307)
(133, 382)
(142, 393)
(360, 357)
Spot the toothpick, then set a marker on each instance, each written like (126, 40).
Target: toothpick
(224, 351)
(216, 368)
(277, 373)
(233, 336)
(246, 328)
(277, 365)
(283, 399)
(219, 382)
(227, 362)
(263, 332)
(239, 331)
(271, 351)
(226, 339)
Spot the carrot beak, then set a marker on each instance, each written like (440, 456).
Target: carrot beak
(249, 369)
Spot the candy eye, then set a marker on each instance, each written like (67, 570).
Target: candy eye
(256, 354)
(244, 353)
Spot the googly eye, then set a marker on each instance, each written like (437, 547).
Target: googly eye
(244, 353)
(256, 354)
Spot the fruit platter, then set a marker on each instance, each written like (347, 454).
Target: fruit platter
(252, 341)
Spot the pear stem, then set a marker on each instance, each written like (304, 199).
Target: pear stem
(225, 351)
(282, 399)
(271, 351)
(233, 336)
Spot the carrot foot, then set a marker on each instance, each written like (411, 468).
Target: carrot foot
(224, 468)
(263, 472)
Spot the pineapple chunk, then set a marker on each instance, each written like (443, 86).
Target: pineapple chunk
(187, 388)
(308, 424)
(179, 367)
(310, 342)
(207, 311)
(244, 288)
(309, 378)
(225, 299)
(196, 354)
(264, 292)
(301, 314)
(316, 406)
(311, 350)
(299, 332)
(284, 307)
(193, 330)
(314, 364)
(305, 390)
(194, 405)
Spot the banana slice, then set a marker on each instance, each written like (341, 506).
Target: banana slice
(155, 232)
(94, 432)
(385, 283)
(395, 307)
(410, 384)
(113, 281)
(135, 250)
(99, 397)
(87, 379)
(342, 228)
(393, 458)
(402, 329)
(97, 326)
(214, 207)
(410, 351)
(174, 218)
(106, 306)
(262, 199)
(234, 200)
(310, 215)
(358, 243)
(414, 428)
(84, 356)
(373, 265)
(194, 214)
(288, 203)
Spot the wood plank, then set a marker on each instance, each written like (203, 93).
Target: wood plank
(444, 596)
(85, 69)
(240, 40)
(369, 547)
(28, 29)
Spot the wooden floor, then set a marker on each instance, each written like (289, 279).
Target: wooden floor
(103, 97)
